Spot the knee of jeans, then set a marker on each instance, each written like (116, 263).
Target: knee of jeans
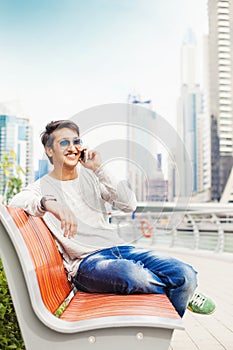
(190, 278)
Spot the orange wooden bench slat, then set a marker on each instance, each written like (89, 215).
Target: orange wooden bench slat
(93, 305)
(49, 268)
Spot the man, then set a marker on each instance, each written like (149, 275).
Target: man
(71, 199)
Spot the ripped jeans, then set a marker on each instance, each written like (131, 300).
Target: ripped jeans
(128, 270)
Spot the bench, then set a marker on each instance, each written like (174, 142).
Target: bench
(53, 315)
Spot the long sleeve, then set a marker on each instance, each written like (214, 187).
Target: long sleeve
(118, 194)
(29, 199)
(86, 197)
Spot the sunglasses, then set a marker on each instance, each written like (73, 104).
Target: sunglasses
(67, 143)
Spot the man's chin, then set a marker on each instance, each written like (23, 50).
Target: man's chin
(71, 163)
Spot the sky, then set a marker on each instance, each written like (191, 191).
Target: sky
(59, 57)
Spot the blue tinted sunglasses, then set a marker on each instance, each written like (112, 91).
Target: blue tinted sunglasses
(67, 143)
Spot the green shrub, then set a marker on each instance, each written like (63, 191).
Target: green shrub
(10, 335)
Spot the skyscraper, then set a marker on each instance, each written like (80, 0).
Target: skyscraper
(141, 148)
(221, 85)
(191, 117)
(16, 135)
(43, 168)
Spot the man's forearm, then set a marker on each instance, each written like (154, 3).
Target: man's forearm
(28, 201)
(117, 193)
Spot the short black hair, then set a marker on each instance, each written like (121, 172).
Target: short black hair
(47, 135)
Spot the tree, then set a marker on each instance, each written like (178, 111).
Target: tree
(12, 172)
(10, 335)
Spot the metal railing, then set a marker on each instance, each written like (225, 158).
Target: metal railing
(196, 230)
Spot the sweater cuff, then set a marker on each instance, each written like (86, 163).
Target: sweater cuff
(103, 174)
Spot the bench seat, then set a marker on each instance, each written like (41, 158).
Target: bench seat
(52, 314)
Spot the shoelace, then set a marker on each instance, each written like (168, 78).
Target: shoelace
(198, 300)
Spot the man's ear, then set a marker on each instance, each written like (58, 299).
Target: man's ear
(49, 151)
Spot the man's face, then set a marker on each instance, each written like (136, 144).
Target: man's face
(66, 148)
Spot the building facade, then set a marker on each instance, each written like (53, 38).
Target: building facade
(16, 135)
(144, 163)
(191, 118)
(220, 50)
(43, 168)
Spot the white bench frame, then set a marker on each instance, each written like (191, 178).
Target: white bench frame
(42, 330)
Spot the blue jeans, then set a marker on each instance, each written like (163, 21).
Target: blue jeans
(128, 270)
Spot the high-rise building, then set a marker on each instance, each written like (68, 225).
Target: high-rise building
(43, 168)
(191, 124)
(172, 176)
(221, 86)
(215, 156)
(206, 125)
(157, 185)
(141, 148)
(16, 135)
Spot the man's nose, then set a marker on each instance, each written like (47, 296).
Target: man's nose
(71, 146)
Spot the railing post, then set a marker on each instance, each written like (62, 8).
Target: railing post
(174, 237)
(196, 232)
(220, 244)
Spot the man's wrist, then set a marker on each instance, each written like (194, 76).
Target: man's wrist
(45, 199)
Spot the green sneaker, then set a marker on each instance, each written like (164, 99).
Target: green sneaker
(201, 304)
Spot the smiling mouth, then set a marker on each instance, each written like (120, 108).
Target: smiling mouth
(71, 155)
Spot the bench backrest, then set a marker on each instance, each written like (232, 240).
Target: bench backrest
(51, 275)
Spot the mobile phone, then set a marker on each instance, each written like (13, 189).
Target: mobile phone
(84, 155)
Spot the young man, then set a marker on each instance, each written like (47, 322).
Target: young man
(72, 199)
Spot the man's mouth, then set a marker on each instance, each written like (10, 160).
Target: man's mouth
(71, 155)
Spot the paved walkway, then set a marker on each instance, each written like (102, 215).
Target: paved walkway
(215, 276)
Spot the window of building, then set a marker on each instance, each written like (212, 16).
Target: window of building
(223, 17)
(22, 133)
(225, 36)
(224, 55)
(223, 4)
(223, 29)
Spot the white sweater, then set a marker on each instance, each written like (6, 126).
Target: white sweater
(85, 196)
